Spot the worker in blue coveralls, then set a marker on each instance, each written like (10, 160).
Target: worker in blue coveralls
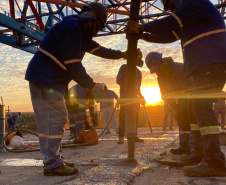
(54, 65)
(91, 107)
(12, 120)
(121, 81)
(174, 87)
(107, 106)
(76, 100)
(201, 30)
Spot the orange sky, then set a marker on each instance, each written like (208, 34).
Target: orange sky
(13, 63)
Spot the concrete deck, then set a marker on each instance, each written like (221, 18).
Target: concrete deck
(105, 163)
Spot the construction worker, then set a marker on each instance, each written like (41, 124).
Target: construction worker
(173, 85)
(168, 112)
(54, 65)
(12, 120)
(76, 100)
(121, 81)
(219, 108)
(107, 106)
(91, 107)
(201, 30)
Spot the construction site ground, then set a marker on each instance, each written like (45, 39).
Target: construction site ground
(106, 163)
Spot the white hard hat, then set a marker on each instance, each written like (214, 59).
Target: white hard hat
(98, 93)
(153, 60)
(104, 85)
(16, 142)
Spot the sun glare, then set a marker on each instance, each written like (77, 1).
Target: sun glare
(151, 94)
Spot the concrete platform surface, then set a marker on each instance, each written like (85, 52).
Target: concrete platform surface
(105, 163)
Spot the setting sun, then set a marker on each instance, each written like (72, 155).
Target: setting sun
(151, 94)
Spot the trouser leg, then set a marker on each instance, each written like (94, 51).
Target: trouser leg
(72, 122)
(106, 119)
(122, 121)
(171, 119)
(184, 136)
(208, 81)
(80, 118)
(165, 119)
(114, 119)
(217, 113)
(195, 136)
(51, 117)
(222, 118)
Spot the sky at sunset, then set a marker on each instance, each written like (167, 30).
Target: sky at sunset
(13, 63)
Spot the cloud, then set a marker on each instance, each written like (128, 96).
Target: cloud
(13, 64)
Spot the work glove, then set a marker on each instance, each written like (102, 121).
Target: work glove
(139, 60)
(98, 92)
(133, 28)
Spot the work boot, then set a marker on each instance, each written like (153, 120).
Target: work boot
(203, 170)
(193, 158)
(137, 139)
(61, 171)
(121, 140)
(72, 165)
(178, 151)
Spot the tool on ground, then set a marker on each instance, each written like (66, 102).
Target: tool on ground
(149, 123)
(63, 145)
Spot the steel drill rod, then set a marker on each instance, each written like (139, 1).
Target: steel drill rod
(131, 82)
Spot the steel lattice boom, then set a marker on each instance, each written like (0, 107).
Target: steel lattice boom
(24, 23)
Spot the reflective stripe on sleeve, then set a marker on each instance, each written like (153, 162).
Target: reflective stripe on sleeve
(72, 61)
(52, 57)
(50, 136)
(93, 50)
(177, 19)
(175, 35)
(203, 35)
(209, 130)
(194, 127)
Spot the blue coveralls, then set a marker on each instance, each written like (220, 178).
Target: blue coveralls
(201, 29)
(53, 66)
(79, 115)
(174, 87)
(107, 106)
(168, 112)
(121, 81)
(12, 121)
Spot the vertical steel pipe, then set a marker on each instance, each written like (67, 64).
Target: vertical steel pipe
(131, 82)
(2, 126)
